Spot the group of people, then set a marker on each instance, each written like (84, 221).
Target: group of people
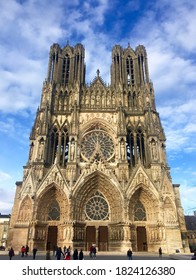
(66, 254)
(24, 251)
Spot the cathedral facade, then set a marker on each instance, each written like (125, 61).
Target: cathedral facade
(97, 170)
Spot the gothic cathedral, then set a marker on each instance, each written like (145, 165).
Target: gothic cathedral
(97, 171)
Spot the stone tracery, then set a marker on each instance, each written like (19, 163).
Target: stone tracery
(97, 161)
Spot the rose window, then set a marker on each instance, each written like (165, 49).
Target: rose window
(97, 142)
(97, 208)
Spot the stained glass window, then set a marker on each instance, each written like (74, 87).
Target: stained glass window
(97, 141)
(97, 208)
(54, 211)
(139, 212)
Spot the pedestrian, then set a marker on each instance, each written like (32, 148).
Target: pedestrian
(11, 253)
(26, 250)
(64, 249)
(34, 252)
(67, 256)
(94, 252)
(129, 254)
(194, 256)
(160, 253)
(54, 249)
(91, 251)
(48, 255)
(59, 252)
(75, 254)
(23, 251)
(81, 255)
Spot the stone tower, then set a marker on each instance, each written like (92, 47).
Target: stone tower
(97, 171)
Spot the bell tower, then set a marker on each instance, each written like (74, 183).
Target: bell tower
(97, 170)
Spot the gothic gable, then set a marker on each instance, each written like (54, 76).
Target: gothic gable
(29, 185)
(141, 178)
(55, 176)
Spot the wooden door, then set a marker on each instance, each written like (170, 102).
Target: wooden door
(90, 236)
(103, 238)
(141, 239)
(52, 237)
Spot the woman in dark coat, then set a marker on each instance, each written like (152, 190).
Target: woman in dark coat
(75, 254)
(81, 255)
(11, 253)
(59, 252)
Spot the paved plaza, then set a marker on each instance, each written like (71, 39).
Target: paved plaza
(106, 256)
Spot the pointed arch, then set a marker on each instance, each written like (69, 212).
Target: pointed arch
(143, 205)
(169, 211)
(66, 68)
(98, 182)
(25, 210)
(52, 198)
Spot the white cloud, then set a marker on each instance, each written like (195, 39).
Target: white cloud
(167, 30)
(188, 198)
(6, 200)
(4, 176)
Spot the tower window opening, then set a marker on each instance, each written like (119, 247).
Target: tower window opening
(130, 148)
(66, 69)
(130, 70)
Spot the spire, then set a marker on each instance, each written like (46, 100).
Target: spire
(98, 72)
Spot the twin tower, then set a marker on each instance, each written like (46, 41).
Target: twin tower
(97, 170)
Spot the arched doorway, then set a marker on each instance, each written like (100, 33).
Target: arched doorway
(143, 213)
(141, 238)
(52, 237)
(97, 235)
(98, 203)
(52, 211)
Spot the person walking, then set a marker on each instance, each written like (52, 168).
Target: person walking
(34, 252)
(68, 256)
(129, 254)
(81, 255)
(11, 253)
(94, 252)
(160, 253)
(26, 250)
(75, 254)
(59, 252)
(22, 251)
(91, 251)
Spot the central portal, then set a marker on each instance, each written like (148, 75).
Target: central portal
(52, 237)
(97, 236)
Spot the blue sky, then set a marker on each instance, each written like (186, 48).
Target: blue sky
(166, 28)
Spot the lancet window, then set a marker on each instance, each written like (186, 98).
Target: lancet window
(118, 67)
(139, 212)
(54, 211)
(64, 148)
(76, 65)
(130, 70)
(66, 70)
(142, 72)
(135, 147)
(58, 148)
